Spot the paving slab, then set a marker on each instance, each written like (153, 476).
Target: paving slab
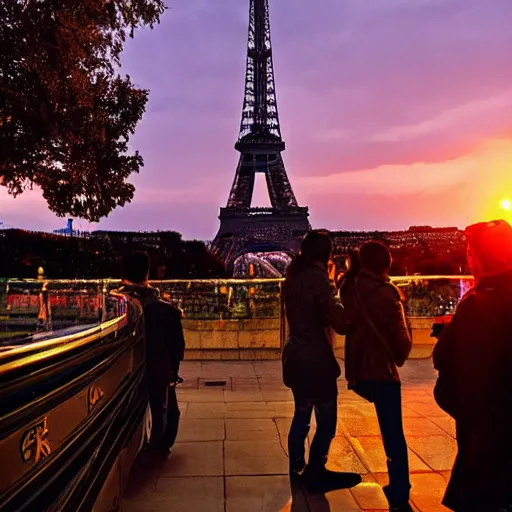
(206, 410)
(437, 451)
(369, 495)
(418, 426)
(281, 409)
(342, 500)
(249, 410)
(195, 459)
(445, 423)
(255, 458)
(251, 429)
(243, 396)
(259, 494)
(426, 408)
(342, 457)
(374, 457)
(428, 491)
(181, 495)
(280, 395)
(201, 429)
(200, 395)
(357, 427)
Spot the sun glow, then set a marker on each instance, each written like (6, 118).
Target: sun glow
(506, 204)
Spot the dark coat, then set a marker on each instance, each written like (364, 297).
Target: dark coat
(474, 360)
(165, 343)
(310, 367)
(370, 356)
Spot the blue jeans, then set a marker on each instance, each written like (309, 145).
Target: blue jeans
(326, 417)
(387, 397)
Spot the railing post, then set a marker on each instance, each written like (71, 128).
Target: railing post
(44, 320)
(104, 292)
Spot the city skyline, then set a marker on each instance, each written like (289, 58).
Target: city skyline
(394, 114)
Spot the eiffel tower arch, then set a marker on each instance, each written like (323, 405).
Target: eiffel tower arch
(260, 145)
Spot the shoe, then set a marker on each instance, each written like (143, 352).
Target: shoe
(395, 506)
(322, 480)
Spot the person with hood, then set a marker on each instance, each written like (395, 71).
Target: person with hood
(474, 359)
(378, 341)
(310, 367)
(165, 347)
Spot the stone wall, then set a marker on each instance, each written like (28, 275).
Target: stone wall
(261, 339)
(233, 339)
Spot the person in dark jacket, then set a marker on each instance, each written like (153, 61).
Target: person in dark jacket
(165, 346)
(310, 367)
(474, 359)
(378, 341)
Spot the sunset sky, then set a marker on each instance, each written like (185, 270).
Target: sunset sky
(395, 113)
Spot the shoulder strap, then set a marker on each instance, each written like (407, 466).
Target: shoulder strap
(360, 305)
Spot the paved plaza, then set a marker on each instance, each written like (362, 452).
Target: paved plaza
(231, 454)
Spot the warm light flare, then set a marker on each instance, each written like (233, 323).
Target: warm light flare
(506, 205)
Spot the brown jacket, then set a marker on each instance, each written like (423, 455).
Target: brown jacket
(372, 353)
(309, 364)
(474, 360)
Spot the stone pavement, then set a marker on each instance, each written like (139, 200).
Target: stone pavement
(231, 454)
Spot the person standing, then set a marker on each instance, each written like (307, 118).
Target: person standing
(474, 359)
(165, 347)
(378, 341)
(310, 367)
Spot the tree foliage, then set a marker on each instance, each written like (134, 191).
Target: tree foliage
(66, 114)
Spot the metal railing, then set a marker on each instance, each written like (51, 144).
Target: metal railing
(73, 406)
(31, 306)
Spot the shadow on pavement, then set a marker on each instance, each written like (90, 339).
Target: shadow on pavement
(144, 473)
(302, 501)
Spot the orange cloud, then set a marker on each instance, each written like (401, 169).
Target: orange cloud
(476, 182)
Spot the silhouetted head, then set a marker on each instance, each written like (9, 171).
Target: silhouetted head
(316, 247)
(489, 248)
(375, 257)
(136, 268)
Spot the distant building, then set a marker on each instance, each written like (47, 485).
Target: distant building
(150, 240)
(68, 230)
(415, 236)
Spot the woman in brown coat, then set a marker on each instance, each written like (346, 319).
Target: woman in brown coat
(378, 340)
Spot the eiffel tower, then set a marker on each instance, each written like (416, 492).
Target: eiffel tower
(243, 227)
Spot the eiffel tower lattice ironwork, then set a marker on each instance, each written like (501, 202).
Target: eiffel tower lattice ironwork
(260, 145)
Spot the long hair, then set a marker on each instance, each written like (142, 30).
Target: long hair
(316, 247)
(354, 267)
